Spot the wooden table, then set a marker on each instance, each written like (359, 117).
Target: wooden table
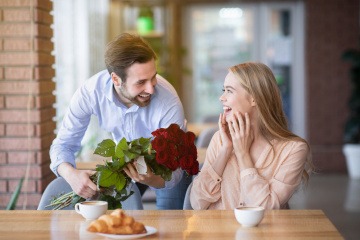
(96, 159)
(172, 224)
(197, 128)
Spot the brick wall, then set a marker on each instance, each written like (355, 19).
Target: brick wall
(332, 26)
(26, 98)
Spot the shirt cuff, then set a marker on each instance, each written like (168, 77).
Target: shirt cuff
(214, 176)
(248, 171)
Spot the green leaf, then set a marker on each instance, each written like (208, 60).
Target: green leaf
(106, 148)
(113, 203)
(108, 178)
(118, 163)
(14, 197)
(129, 156)
(121, 147)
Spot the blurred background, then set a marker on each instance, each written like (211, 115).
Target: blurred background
(49, 48)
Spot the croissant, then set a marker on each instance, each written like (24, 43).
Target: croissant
(116, 223)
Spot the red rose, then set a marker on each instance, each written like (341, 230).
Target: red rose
(190, 138)
(159, 143)
(160, 132)
(186, 162)
(194, 169)
(172, 164)
(162, 157)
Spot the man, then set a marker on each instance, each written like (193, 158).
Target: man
(129, 100)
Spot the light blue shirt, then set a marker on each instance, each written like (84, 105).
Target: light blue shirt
(97, 97)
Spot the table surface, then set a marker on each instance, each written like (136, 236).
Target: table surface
(93, 160)
(197, 128)
(172, 224)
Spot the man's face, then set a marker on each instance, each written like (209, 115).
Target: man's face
(139, 85)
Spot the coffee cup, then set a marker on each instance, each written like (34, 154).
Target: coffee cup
(249, 216)
(91, 209)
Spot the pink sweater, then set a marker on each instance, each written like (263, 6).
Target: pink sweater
(271, 183)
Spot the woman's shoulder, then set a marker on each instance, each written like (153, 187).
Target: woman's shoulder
(292, 145)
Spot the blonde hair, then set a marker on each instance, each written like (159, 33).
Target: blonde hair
(259, 81)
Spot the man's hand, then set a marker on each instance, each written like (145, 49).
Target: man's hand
(149, 178)
(79, 180)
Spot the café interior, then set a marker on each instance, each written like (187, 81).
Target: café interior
(302, 41)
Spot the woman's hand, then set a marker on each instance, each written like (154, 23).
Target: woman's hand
(224, 133)
(241, 134)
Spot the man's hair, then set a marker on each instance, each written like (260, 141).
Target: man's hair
(125, 50)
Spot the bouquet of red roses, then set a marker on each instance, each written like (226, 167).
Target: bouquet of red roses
(170, 149)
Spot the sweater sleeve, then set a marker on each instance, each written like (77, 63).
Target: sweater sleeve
(275, 192)
(207, 185)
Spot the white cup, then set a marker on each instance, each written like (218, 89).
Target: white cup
(249, 216)
(91, 209)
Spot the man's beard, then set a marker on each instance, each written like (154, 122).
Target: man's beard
(133, 99)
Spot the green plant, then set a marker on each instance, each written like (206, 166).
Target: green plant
(352, 126)
(14, 197)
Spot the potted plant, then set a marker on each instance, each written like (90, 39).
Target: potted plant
(351, 147)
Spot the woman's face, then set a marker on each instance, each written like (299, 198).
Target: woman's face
(235, 98)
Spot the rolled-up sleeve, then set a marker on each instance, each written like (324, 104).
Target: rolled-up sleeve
(206, 188)
(276, 191)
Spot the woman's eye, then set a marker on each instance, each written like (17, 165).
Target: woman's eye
(223, 90)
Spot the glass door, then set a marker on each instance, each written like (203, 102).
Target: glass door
(219, 36)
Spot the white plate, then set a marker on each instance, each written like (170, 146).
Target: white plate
(150, 231)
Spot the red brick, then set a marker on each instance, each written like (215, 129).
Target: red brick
(20, 130)
(43, 16)
(3, 158)
(24, 144)
(1, 69)
(44, 31)
(1, 17)
(43, 156)
(32, 201)
(43, 44)
(44, 73)
(24, 87)
(3, 186)
(18, 171)
(21, 116)
(17, 29)
(28, 186)
(2, 102)
(13, 59)
(22, 157)
(2, 129)
(19, 102)
(43, 4)
(17, 44)
(45, 101)
(18, 73)
(16, 15)
(45, 128)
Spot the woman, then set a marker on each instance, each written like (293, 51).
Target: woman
(253, 160)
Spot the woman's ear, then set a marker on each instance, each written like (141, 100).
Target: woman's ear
(115, 79)
(253, 103)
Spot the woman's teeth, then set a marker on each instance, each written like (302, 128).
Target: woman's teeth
(227, 109)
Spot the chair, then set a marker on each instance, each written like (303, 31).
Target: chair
(59, 186)
(205, 136)
(187, 204)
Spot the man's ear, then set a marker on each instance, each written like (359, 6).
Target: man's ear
(115, 79)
